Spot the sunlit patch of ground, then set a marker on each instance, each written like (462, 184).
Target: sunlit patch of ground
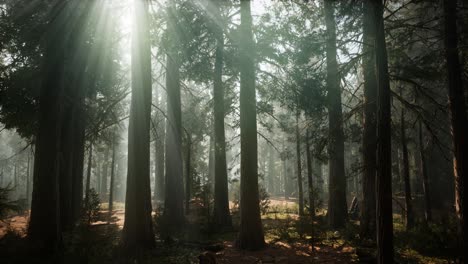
(290, 239)
(17, 224)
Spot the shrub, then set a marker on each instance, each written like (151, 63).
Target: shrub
(92, 207)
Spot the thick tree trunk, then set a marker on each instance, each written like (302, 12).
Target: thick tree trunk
(299, 166)
(138, 230)
(222, 217)
(369, 143)
(310, 175)
(174, 201)
(384, 144)
(66, 165)
(409, 217)
(337, 208)
(44, 225)
(78, 157)
(251, 230)
(457, 106)
(425, 179)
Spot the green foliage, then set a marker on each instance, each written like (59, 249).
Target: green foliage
(92, 207)
(433, 239)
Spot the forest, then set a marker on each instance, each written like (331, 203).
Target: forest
(233, 131)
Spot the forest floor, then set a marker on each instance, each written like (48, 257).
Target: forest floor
(290, 239)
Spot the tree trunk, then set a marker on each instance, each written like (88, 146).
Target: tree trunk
(337, 208)
(46, 194)
(211, 162)
(44, 224)
(384, 144)
(104, 174)
(15, 178)
(310, 175)
(409, 218)
(459, 121)
(425, 179)
(159, 153)
(251, 230)
(28, 182)
(271, 171)
(285, 179)
(98, 170)
(174, 202)
(88, 174)
(188, 171)
(138, 230)
(112, 176)
(222, 217)
(369, 143)
(78, 156)
(299, 166)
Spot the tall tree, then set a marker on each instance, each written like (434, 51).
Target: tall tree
(138, 229)
(112, 175)
(337, 208)
(299, 166)
(251, 230)
(369, 143)
(104, 172)
(457, 106)
(88, 175)
(174, 200)
(159, 151)
(310, 172)
(45, 223)
(409, 218)
(425, 179)
(221, 213)
(384, 143)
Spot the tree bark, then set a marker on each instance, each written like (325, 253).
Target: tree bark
(409, 217)
(159, 153)
(457, 106)
(44, 224)
(337, 207)
(299, 166)
(310, 175)
(222, 217)
(384, 144)
(251, 230)
(112, 177)
(369, 143)
(88, 174)
(174, 203)
(138, 230)
(28, 181)
(78, 156)
(104, 174)
(188, 171)
(425, 179)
